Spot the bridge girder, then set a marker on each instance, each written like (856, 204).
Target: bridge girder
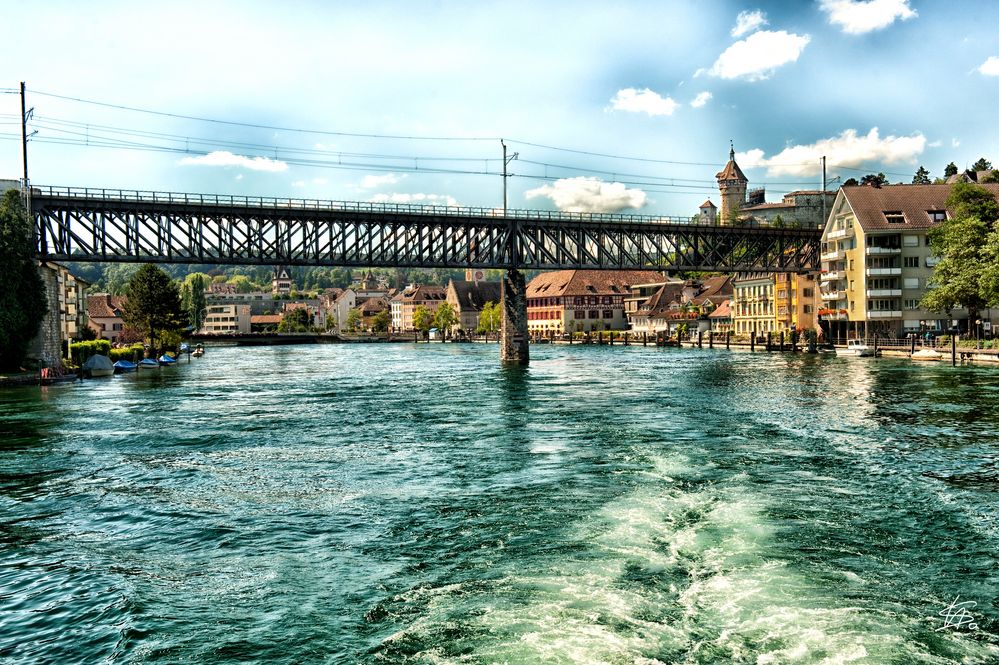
(95, 225)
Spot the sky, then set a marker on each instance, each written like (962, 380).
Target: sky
(625, 107)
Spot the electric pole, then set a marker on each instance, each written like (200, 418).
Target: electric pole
(506, 175)
(824, 185)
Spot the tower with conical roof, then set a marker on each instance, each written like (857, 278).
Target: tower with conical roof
(732, 184)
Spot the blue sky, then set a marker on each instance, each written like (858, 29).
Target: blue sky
(620, 107)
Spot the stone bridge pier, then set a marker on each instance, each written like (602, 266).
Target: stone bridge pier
(514, 349)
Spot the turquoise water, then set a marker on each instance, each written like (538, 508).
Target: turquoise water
(420, 504)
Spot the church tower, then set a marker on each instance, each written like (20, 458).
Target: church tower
(732, 184)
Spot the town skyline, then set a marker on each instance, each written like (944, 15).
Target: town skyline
(322, 97)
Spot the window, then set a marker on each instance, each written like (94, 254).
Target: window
(910, 261)
(910, 241)
(910, 283)
(937, 216)
(807, 293)
(894, 217)
(594, 313)
(807, 309)
(608, 314)
(911, 303)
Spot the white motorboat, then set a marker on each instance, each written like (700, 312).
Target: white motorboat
(858, 347)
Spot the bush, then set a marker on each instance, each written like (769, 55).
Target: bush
(80, 351)
(129, 353)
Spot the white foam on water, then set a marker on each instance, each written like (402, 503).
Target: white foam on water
(669, 575)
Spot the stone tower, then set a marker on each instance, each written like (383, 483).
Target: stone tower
(732, 184)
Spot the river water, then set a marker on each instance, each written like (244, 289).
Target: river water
(421, 504)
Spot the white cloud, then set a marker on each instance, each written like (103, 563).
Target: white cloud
(990, 67)
(757, 56)
(856, 17)
(418, 199)
(372, 181)
(701, 99)
(935, 144)
(955, 143)
(846, 150)
(584, 194)
(749, 21)
(226, 158)
(643, 101)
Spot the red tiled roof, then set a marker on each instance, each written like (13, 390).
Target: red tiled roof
(723, 311)
(265, 318)
(105, 306)
(707, 204)
(870, 204)
(422, 293)
(731, 172)
(589, 282)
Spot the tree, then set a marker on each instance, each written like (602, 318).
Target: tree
(295, 320)
(445, 318)
(851, 182)
(967, 274)
(243, 284)
(490, 318)
(992, 177)
(982, 165)
(382, 321)
(22, 296)
(353, 319)
(873, 180)
(152, 304)
(950, 169)
(422, 319)
(922, 177)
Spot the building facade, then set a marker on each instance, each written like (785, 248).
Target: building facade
(582, 300)
(104, 315)
(404, 304)
(227, 319)
(876, 261)
(467, 298)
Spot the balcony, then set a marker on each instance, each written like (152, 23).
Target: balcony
(883, 272)
(834, 295)
(833, 235)
(840, 315)
(931, 261)
(885, 314)
(884, 293)
(832, 256)
(882, 251)
(831, 276)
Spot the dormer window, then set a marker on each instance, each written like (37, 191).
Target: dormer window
(937, 216)
(894, 217)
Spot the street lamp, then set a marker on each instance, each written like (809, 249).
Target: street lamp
(978, 336)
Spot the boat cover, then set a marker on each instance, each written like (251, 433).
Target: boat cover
(98, 361)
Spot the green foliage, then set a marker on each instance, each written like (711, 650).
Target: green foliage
(382, 321)
(129, 353)
(922, 177)
(296, 320)
(992, 177)
(950, 169)
(851, 182)
(874, 180)
(423, 320)
(445, 317)
(152, 305)
(490, 318)
(22, 298)
(967, 274)
(982, 165)
(353, 321)
(244, 285)
(116, 277)
(197, 304)
(80, 351)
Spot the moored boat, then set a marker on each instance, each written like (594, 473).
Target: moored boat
(858, 347)
(198, 352)
(167, 360)
(147, 363)
(927, 354)
(98, 365)
(123, 366)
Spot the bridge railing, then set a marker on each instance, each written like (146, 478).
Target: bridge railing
(179, 198)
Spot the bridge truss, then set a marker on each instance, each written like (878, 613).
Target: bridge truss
(75, 224)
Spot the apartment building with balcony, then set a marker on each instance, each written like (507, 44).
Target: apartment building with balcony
(876, 261)
(753, 304)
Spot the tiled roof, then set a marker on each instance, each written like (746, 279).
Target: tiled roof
(422, 293)
(265, 318)
(731, 172)
(372, 306)
(104, 306)
(589, 282)
(870, 204)
(707, 204)
(713, 288)
(723, 311)
(473, 295)
(662, 301)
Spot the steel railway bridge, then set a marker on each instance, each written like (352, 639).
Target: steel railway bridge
(74, 224)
